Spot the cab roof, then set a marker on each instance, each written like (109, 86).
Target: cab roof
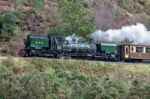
(38, 36)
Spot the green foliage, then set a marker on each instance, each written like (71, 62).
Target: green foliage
(106, 89)
(37, 4)
(75, 19)
(58, 30)
(139, 91)
(55, 84)
(147, 91)
(19, 10)
(8, 83)
(7, 24)
(56, 79)
(123, 3)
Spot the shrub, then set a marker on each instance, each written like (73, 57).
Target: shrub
(147, 91)
(139, 90)
(75, 18)
(32, 83)
(38, 4)
(7, 24)
(123, 4)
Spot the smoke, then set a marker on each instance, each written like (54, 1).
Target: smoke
(136, 34)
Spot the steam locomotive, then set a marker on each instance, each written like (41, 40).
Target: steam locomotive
(73, 47)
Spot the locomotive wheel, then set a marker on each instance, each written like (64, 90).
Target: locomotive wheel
(60, 56)
(63, 56)
(38, 53)
(140, 60)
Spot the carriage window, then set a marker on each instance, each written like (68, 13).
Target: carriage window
(127, 50)
(139, 49)
(132, 49)
(147, 50)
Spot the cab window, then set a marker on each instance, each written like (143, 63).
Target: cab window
(139, 49)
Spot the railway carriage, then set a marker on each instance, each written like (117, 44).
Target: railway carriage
(132, 52)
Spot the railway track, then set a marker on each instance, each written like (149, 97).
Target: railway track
(144, 62)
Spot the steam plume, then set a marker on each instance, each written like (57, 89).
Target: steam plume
(136, 34)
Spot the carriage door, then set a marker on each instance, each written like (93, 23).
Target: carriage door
(126, 48)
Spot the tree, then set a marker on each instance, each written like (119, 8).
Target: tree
(7, 24)
(75, 18)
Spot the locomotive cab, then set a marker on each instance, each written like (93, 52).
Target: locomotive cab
(35, 45)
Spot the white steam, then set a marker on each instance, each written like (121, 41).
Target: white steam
(136, 34)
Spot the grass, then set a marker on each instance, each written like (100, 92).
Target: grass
(87, 67)
(43, 78)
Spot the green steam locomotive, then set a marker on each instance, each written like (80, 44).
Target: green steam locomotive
(71, 46)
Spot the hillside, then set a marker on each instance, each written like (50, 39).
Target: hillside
(44, 78)
(43, 17)
(41, 78)
(108, 13)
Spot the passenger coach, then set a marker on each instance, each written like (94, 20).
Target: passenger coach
(132, 52)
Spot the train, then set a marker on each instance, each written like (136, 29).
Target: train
(74, 47)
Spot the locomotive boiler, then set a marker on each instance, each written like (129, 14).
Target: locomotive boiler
(74, 44)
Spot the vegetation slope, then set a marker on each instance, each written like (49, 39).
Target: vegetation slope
(42, 78)
(38, 78)
(63, 17)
